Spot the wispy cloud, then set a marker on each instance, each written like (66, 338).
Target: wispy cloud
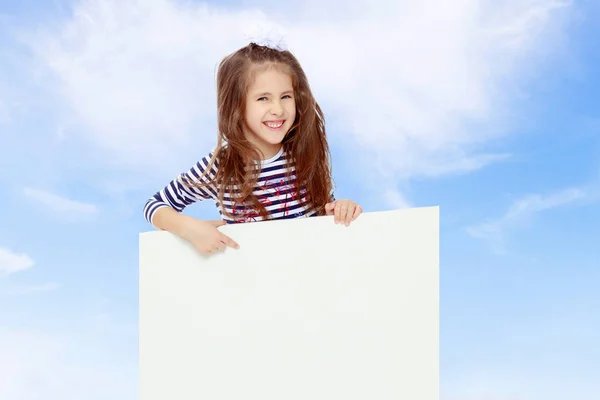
(519, 368)
(71, 209)
(524, 209)
(11, 262)
(25, 355)
(3, 111)
(418, 86)
(55, 366)
(25, 290)
(395, 199)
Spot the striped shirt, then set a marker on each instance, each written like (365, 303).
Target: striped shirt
(273, 190)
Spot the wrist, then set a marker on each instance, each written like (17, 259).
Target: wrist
(185, 226)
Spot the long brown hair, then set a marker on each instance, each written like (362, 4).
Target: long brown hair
(305, 143)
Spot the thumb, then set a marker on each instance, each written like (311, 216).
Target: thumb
(329, 207)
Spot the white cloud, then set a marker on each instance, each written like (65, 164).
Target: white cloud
(524, 209)
(418, 86)
(57, 204)
(26, 356)
(395, 199)
(491, 382)
(11, 262)
(536, 203)
(36, 365)
(422, 85)
(542, 356)
(28, 289)
(4, 116)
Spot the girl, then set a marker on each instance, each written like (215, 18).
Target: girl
(272, 159)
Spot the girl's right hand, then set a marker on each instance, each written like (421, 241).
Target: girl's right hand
(205, 236)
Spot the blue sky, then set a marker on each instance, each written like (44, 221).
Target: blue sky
(487, 110)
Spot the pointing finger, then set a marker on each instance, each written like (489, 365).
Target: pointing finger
(229, 241)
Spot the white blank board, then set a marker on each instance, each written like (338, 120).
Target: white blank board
(304, 310)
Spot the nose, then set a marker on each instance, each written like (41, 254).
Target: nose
(276, 108)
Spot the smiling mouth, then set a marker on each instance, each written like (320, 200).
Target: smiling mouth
(274, 125)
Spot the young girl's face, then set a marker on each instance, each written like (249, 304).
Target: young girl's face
(270, 110)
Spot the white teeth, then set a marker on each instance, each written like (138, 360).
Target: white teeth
(274, 125)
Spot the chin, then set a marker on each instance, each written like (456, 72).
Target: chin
(274, 137)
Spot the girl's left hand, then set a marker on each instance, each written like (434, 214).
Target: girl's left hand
(345, 211)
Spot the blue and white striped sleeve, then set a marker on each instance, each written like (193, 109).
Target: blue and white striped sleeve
(180, 193)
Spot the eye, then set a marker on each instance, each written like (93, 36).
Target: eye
(261, 98)
(287, 96)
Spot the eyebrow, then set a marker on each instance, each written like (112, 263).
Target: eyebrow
(269, 94)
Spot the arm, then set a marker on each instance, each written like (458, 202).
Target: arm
(163, 210)
(167, 219)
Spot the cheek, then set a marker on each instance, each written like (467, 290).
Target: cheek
(252, 114)
(247, 113)
(292, 109)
